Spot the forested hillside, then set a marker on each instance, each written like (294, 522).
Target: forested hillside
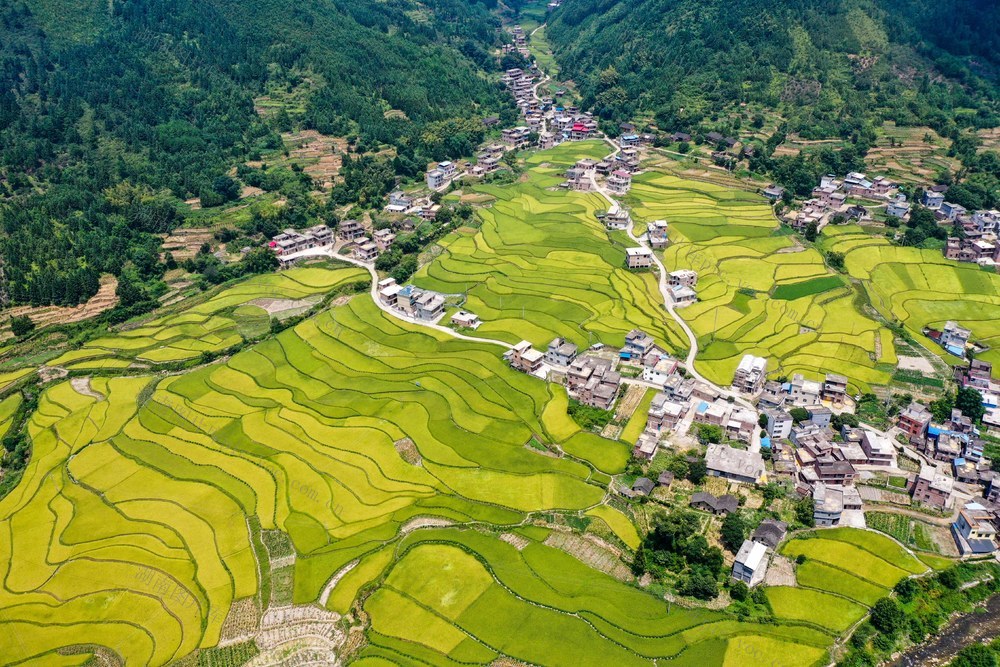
(828, 67)
(110, 113)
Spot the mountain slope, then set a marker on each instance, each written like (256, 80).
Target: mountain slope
(160, 94)
(827, 66)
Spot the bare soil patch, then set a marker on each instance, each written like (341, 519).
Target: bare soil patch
(408, 452)
(592, 552)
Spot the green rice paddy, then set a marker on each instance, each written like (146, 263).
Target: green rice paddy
(138, 522)
(542, 265)
(920, 288)
(214, 325)
(759, 291)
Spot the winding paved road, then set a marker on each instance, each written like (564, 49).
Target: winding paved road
(668, 303)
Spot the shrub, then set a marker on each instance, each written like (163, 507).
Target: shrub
(739, 591)
(22, 325)
(887, 616)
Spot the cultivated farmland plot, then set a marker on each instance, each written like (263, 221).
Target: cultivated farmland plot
(394, 457)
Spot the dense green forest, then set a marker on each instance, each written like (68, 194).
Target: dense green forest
(828, 67)
(111, 113)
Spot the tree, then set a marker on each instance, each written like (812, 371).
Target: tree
(799, 414)
(941, 408)
(226, 187)
(762, 420)
(804, 510)
(128, 292)
(406, 268)
(734, 531)
(709, 434)
(976, 655)
(260, 260)
(21, 325)
(699, 584)
(907, 589)
(835, 260)
(950, 579)
(888, 616)
(697, 471)
(739, 591)
(970, 402)
(812, 231)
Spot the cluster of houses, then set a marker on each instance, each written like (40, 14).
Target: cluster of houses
(520, 44)
(408, 207)
(978, 243)
(410, 301)
(582, 175)
(830, 198)
(440, 176)
(290, 245)
(291, 241)
(954, 463)
(953, 337)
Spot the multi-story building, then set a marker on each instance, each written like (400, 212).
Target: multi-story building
(750, 374)
(932, 487)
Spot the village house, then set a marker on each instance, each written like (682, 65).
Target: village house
(751, 563)
(638, 344)
(803, 392)
(741, 424)
(619, 182)
(774, 192)
(384, 238)
(662, 370)
(706, 502)
(638, 258)
(829, 503)
(577, 179)
(932, 487)
(898, 207)
(592, 381)
(657, 234)
(779, 423)
(750, 374)
(682, 277)
(819, 415)
(949, 211)
(955, 338)
(664, 414)
(682, 296)
(736, 465)
(560, 353)
(834, 389)
(619, 220)
(770, 533)
(350, 230)
(399, 202)
(436, 179)
(366, 251)
(388, 291)
(525, 358)
(975, 530)
(932, 199)
(914, 421)
(465, 320)
(772, 395)
(877, 448)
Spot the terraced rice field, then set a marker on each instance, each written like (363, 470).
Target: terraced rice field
(212, 326)
(466, 597)
(542, 266)
(920, 288)
(759, 292)
(846, 571)
(139, 513)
